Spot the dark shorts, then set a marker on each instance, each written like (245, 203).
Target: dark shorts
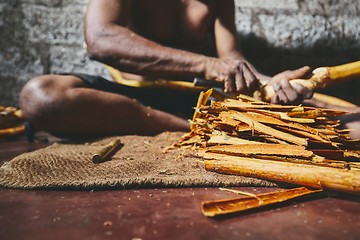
(178, 102)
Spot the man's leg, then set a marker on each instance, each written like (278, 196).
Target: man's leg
(65, 106)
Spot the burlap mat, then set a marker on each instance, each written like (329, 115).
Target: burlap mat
(142, 162)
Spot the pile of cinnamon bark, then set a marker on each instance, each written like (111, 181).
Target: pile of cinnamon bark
(11, 122)
(299, 145)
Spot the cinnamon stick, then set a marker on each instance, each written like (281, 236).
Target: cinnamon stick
(301, 174)
(220, 207)
(321, 77)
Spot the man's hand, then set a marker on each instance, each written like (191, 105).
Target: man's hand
(286, 93)
(235, 74)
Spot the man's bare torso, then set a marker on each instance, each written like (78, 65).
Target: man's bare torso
(183, 24)
(174, 22)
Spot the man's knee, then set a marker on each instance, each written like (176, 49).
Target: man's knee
(40, 97)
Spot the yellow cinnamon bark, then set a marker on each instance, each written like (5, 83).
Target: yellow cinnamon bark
(220, 207)
(12, 132)
(321, 77)
(301, 174)
(262, 149)
(204, 96)
(223, 139)
(270, 131)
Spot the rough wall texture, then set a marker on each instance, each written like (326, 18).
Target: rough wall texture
(45, 36)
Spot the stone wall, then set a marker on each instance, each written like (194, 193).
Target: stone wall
(45, 36)
(287, 34)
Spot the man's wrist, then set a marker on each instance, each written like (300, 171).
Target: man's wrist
(209, 64)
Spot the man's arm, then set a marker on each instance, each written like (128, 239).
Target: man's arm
(110, 41)
(228, 48)
(225, 32)
(244, 74)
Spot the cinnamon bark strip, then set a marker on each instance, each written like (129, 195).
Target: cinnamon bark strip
(220, 207)
(315, 160)
(236, 104)
(352, 154)
(246, 98)
(316, 113)
(226, 117)
(270, 131)
(301, 174)
(203, 97)
(223, 139)
(336, 154)
(298, 132)
(283, 116)
(299, 129)
(262, 149)
(12, 132)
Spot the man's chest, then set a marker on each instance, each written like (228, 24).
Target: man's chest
(182, 22)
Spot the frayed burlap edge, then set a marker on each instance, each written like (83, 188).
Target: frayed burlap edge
(142, 162)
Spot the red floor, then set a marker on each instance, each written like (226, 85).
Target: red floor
(165, 213)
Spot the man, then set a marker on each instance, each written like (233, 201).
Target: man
(146, 40)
